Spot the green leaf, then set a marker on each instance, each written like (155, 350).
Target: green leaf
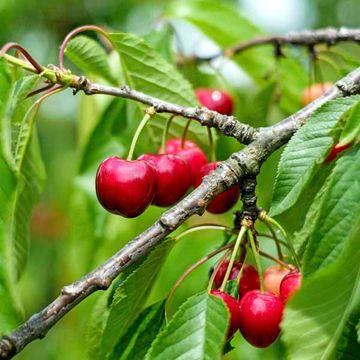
(197, 331)
(306, 152)
(315, 317)
(348, 347)
(338, 214)
(89, 57)
(136, 342)
(146, 71)
(129, 298)
(352, 127)
(226, 27)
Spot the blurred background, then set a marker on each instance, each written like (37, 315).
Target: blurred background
(57, 251)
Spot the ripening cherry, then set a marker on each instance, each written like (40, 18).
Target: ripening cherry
(173, 177)
(233, 307)
(125, 187)
(314, 91)
(225, 200)
(260, 317)
(249, 278)
(273, 276)
(290, 284)
(217, 100)
(190, 152)
(335, 151)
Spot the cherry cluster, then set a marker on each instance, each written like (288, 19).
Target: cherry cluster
(128, 187)
(257, 314)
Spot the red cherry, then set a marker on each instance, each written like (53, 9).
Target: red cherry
(314, 91)
(225, 200)
(190, 152)
(249, 278)
(173, 177)
(260, 317)
(290, 284)
(216, 100)
(233, 307)
(273, 276)
(335, 151)
(125, 187)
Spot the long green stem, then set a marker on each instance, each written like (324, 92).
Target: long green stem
(216, 269)
(257, 259)
(276, 239)
(165, 133)
(281, 263)
(268, 236)
(233, 256)
(150, 112)
(186, 128)
(211, 145)
(282, 230)
(238, 277)
(202, 227)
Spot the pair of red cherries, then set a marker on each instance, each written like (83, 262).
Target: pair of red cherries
(128, 187)
(257, 314)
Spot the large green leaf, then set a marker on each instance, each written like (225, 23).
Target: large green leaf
(197, 331)
(136, 342)
(90, 57)
(306, 151)
(316, 316)
(338, 214)
(128, 300)
(352, 127)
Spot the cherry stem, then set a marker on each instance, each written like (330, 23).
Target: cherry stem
(276, 239)
(149, 113)
(216, 269)
(288, 241)
(186, 128)
(165, 133)
(273, 258)
(233, 256)
(238, 277)
(203, 227)
(211, 145)
(193, 267)
(76, 31)
(12, 45)
(257, 259)
(267, 236)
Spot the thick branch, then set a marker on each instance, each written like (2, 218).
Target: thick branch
(244, 164)
(329, 36)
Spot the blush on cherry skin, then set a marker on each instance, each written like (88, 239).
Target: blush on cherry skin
(216, 100)
(290, 284)
(233, 307)
(225, 200)
(314, 91)
(335, 151)
(125, 187)
(173, 177)
(273, 276)
(190, 152)
(260, 317)
(249, 278)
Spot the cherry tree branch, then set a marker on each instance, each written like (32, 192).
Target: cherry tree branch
(329, 36)
(241, 165)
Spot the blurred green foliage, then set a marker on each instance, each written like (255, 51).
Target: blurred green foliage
(56, 257)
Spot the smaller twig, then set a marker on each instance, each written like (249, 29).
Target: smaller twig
(273, 258)
(203, 227)
(267, 236)
(276, 240)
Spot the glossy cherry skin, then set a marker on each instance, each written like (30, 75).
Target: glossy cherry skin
(217, 100)
(190, 152)
(260, 317)
(125, 187)
(173, 177)
(335, 151)
(233, 307)
(314, 91)
(273, 276)
(225, 200)
(249, 278)
(290, 284)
